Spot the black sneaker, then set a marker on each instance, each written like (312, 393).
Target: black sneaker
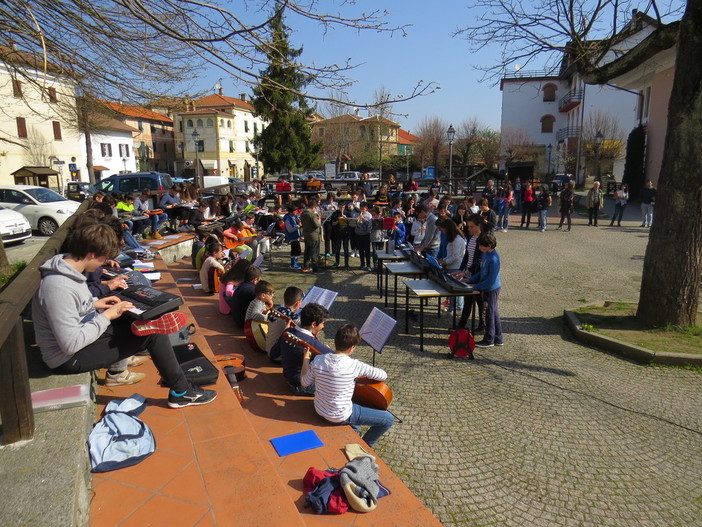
(484, 344)
(193, 397)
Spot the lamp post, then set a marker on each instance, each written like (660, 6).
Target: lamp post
(598, 140)
(550, 147)
(124, 160)
(450, 134)
(196, 140)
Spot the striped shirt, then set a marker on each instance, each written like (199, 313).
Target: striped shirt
(334, 376)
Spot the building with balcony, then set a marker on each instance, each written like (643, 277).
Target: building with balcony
(549, 117)
(226, 127)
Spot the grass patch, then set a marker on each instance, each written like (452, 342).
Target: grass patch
(617, 320)
(16, 268)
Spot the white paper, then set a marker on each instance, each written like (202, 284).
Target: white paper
(152, 276)
(377, 329)
(197, 286)
(321, 296)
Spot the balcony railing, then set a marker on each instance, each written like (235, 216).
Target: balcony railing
(522, 74)
(565, 133)
(570, 100)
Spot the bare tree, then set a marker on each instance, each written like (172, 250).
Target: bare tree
(517, 145)
(584, 31)
(609, 146)
(488, 149)
(37, 148)
(466, 142)
(433, 144)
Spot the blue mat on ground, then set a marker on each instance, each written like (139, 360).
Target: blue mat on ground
(292, 443)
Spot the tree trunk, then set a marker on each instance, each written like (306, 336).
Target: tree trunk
(671, 275)
(89, 156)
(4, 262)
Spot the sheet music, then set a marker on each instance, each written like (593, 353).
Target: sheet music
(257, 262)
(321, 296)
(377, 329)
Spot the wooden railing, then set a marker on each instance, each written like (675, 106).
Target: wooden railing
(15, 395)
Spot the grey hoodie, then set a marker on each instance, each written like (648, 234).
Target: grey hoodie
(65, 320)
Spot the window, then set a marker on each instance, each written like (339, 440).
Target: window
(21, 128)
(16, 88)
(163, 131)
(199, 123)
(165, 147)
(248, 147)
(180, 126)
(201, 145)
(57, 130)
(231, 146)
(221, 123)
(246, 127)
(255, 128)
(153, 148)
(210, 123)
(52, 95)
(106, 149)
(190, 123)
(140, 125)
(123, 150)
(547, 124)
(13, 196)
(549, 92)
(153, 129)
(128, 184)
(229, 123)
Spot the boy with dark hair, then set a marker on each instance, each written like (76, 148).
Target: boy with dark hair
(291, 225)
(77, 334)
(487, 281)
(244, 294)
(292, 299)
(334, 376)
(262, 302)
(312, 320)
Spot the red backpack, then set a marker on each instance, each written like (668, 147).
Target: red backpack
(461, 343)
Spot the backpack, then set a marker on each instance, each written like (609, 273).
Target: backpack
(461, 343)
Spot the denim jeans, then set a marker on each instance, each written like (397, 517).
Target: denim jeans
(618, 213)
(503, 219)
(646, 214)
(493, 324)
(379, 421)
(543, 218)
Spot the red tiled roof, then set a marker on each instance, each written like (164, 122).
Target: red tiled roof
(137, 111)
(215, 100)
(406, 138)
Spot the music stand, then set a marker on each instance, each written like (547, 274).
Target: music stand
(377, 329)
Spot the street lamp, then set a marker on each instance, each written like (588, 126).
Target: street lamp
(124, 160)
(196, 140)
(598, 139)
(450, 134)
(550, 147)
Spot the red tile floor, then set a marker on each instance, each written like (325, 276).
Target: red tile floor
(214, 464)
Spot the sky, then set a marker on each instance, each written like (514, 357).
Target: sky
(429, 52)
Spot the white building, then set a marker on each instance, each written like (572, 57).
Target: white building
(37, 119)
(226, 128)
(543, 116)
(112, 144)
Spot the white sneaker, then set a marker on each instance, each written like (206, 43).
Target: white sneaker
(126, 377)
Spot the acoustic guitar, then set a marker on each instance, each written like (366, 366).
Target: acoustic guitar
(257, 331)
(367, 392)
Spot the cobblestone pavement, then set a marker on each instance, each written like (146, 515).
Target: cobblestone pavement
(542, 431)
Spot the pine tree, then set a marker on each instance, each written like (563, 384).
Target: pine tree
(286, 142)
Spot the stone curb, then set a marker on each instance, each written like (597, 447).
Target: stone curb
(629, 351)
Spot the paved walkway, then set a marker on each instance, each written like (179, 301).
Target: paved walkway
(542, 431)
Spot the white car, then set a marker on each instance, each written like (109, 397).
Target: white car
(45, 209)
(13, 226)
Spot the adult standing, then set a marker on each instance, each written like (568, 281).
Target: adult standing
(621, 198)
(565, 205)
(504, 204)
(648, 200)
(432, 235)
(543, 202)
(527, 204)
(312, 233)
(595, 203)
(518, 195)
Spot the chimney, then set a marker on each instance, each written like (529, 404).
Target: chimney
(242, 96)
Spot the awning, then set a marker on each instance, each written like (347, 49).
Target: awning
(100, 168)
(35, 171)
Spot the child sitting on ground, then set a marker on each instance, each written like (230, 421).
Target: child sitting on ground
(244, 294)
(210, 266)
(229, 281)
(262, 303)
(292, 300)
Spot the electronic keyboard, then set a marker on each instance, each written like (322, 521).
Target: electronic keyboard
(149, 303)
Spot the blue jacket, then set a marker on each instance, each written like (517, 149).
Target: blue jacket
(488, 277)
(291, 355)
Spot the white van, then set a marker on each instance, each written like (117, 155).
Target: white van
(214, 181)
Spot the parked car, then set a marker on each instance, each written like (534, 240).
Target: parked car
(136, 182)
(349, 176)
(79, 190)
(14, 228)
(45, 209)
